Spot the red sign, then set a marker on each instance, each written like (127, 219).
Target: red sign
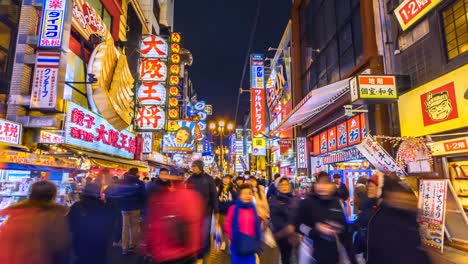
(439, 105)
(342, 135)
(285, 145)
(323, 142)
(456, 145)
(354, 131)
(332, 139)
(316, 145)
(153, 47)
(363, 125)
(257, 111)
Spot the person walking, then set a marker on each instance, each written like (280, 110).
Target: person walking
(320, 217)
(238, 181)
(130, 194)
(35, 230)
(242, 227)
(282, 206)
(272, 187)
(393, 232)
(204, 184)
(342, 191)
(91, 224)
(161, 182)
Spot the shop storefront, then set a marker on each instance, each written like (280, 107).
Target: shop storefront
(438, 111)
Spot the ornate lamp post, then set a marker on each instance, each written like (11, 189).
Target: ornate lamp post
(222, 130)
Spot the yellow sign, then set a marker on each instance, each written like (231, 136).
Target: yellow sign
(259, 143)
(437, 106)
(451, 146)
(26, 158)
(410, 11)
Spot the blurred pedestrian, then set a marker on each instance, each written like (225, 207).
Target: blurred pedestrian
(238, 182)
(242, 226)
(35, 230)
(393, 233)
(320, 217)
(360, 194)
(272, 187)
(342, 191)
(282, 206)
(146, 180)
(161, 182)
(204, 184)
(130, 194)
(218, 182)
(91, 224)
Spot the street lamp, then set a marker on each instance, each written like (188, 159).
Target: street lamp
(222, 130)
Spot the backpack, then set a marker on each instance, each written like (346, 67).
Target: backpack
(174, 224)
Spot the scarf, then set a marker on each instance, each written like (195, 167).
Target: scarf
(284, 197)
(235, 222)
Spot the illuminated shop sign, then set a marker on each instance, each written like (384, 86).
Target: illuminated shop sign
(10, 132)
(87, 21)
(410, 11)
(85, 129)
(182, 140)
(45, 80)
(373, 88)
(52, 20)
(301, 150)
(51, 137)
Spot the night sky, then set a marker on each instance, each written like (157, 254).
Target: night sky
(217, 33)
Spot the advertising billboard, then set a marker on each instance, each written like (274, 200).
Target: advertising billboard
(181, 140)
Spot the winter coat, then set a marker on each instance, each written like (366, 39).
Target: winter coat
(91, 224)
(246, 220)
(34, 232)
(393, 237)
(271, 190)
(342, 192)
(315, 210)
(360, 197)
(282, 207)
(129, 193)
(226, 197)
(205, 185)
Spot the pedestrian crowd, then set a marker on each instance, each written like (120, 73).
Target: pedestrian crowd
(175, 220)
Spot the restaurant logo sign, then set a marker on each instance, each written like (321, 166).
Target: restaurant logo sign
(10, 132)
(410, 11)
(87, 21)
(85, 129)
(52, 20)
(45, 80)
(439, 105)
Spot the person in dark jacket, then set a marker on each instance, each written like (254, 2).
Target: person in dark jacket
(272, 188)
(282, 206)
(162, 181)
(393, 231)
(238, 181)
(205, 185)
(321, 218)
(91, 224)
(341, 190)
(130, 194)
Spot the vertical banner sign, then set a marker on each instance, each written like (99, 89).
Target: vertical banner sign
(45, 80)
(301, 152)
(147, 142)
(52, 20)
(432, 201)
(257, 94)
(354, 131)
(332, 139)
(342, 135)
(323, 142)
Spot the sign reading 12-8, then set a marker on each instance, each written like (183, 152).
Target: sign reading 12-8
(410, 11)
(53, 17)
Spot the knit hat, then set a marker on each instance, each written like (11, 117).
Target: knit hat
(92, 189)
(199, 164)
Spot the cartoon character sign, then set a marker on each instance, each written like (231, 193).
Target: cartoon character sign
(182, 140)
(439, 105)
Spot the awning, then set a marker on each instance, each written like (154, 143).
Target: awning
(98, 160)
(314, 102)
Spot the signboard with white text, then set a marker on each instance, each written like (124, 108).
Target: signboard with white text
(147, 142)
(51, 137)
(301, 151)
(451, 146)
(411, 11)
(257, 95)
(52, 20)
(86, 129)
(10, 132)
(45, 80)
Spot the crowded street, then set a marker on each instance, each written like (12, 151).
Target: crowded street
(234, 132)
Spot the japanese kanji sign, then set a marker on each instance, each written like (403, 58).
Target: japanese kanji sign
(373, 88)
(378, 157)
(301, 151)
(45, 80)
(432, 204)
(257, 111)
(152, 93)
(52, 20)
(147, 142)
(410, 11)
(10, 132)
(87, 21)
(85, 129)
(51, 137)
(154, 47)
(259, 146)
(150, 117)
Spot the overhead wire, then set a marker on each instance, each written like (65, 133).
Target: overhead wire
(247, 56)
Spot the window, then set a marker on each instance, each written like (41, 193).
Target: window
(455, 21)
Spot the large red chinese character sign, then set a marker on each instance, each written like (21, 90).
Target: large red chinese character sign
(152, 93)
(154, 47)
(150, 117)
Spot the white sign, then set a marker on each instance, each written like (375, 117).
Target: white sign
(51, 137)
(150, 118)
(10, 132)
(86, 129)
(378, 157)
(376, 87)
(45, 80)
(152, 93)
(301, 152)
(147, 142)
(199, 106)
(52, 20)
(153, 70)
(154, 47)
(259, 147)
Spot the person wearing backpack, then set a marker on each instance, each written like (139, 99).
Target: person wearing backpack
(91, 224)
(242, 227)
(173, 224)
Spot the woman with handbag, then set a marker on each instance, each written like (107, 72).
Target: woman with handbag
(242, 227)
